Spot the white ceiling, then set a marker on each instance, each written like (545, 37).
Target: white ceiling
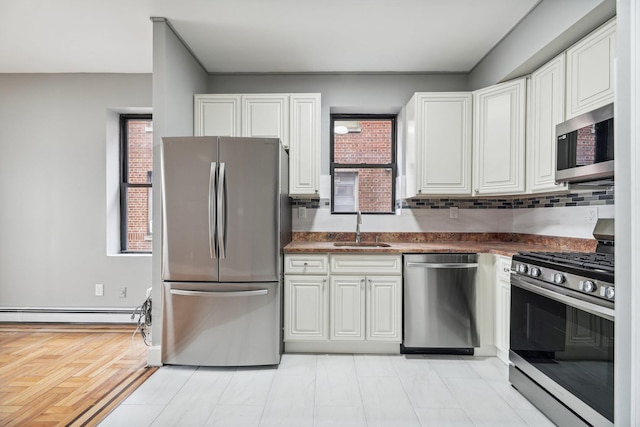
(59, 36)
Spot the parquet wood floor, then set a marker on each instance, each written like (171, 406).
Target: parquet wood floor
(67, 375)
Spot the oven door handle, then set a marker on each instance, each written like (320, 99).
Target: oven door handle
(604, 312)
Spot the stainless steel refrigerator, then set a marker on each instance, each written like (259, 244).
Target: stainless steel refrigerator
(226, 218)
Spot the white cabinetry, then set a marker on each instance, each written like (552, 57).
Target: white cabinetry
(266, 116)
(438, 138)
(363, 308)
(217, 115)
(304, 144)
(294, 118)
(306, 297)
(590, 73)
(499, 138)
(503, 306)
(545, 111)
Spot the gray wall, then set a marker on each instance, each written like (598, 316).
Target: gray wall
(343, 93)
(53, 183)
(550, 28)
(176, 77)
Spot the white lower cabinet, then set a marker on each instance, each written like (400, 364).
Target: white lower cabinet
(306, 302)
(365, 307)
(361, 307)
(503, 306)
(347, 308)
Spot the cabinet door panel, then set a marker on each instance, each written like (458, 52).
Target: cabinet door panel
(347, 308)
(266, 116)
(438, 142)
(305, 308)
(217, 115)
(383, 308)
(546, 110)
(499, 120)
(590, 73)
(304, 145)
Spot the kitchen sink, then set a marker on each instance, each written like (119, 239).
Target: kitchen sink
(363, 244)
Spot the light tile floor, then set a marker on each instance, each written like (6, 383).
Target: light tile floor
(333, 390)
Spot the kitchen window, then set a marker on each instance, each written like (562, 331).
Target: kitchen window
(363, 163)
(136, 166)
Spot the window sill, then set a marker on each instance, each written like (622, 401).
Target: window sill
(131, 254)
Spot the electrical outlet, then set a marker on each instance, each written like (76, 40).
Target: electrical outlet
(453, 212)
(302, 212)
(123, 292)
(592, 215)
(99, 290)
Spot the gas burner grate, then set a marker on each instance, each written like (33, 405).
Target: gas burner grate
(586, 260)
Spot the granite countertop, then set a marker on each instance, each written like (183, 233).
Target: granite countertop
(505, 244)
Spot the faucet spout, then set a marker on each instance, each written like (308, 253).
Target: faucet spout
(358, 222)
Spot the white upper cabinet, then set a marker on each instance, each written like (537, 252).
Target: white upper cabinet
(266, 116)
(304, 144)
(294, 118)
(499, 138)
(590, 73)
(438, 140)
(545, 111)
(217, 115)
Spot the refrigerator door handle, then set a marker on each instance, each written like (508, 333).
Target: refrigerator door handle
(222, 208)
(213, 253)
(220, 294)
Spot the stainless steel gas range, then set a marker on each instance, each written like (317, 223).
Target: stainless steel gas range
(562, 331)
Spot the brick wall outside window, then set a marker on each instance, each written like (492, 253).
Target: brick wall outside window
(586, 146)
(140, 156)
(372, 145)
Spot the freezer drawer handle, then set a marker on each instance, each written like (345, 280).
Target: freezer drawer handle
(220, 294)
(442, 265)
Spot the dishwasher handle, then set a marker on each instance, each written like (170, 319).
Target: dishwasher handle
(443, 264)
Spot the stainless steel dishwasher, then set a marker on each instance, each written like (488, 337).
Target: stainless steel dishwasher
(440, 303)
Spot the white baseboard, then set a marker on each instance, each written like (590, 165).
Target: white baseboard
(154, 356)
(66, 315)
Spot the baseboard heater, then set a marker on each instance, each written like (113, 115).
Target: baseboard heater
(66, 315)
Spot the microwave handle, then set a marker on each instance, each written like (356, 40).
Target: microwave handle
(604, 312)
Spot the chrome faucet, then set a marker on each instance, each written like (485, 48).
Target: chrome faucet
(358, 222)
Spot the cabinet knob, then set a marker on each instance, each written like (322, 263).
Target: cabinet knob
(476, 191)
(305, 264)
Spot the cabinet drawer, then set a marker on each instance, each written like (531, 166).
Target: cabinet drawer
(306, 264)
(366, 264)
(504, 269)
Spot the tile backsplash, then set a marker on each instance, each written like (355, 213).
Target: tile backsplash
(576, 198)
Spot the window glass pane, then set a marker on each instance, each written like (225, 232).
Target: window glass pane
(362, 141)
(364, 189)
(139, 219)
(140, 151)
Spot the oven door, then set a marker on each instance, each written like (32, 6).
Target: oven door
(565, 345)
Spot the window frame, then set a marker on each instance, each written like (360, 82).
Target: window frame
(393, 165)
(124, 180)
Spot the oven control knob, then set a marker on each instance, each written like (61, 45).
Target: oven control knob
(534, 272)
(558, 278)
(610, 292)
(589, 286)
(521, 268)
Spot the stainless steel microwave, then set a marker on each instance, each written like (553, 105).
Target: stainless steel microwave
(584, 147)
